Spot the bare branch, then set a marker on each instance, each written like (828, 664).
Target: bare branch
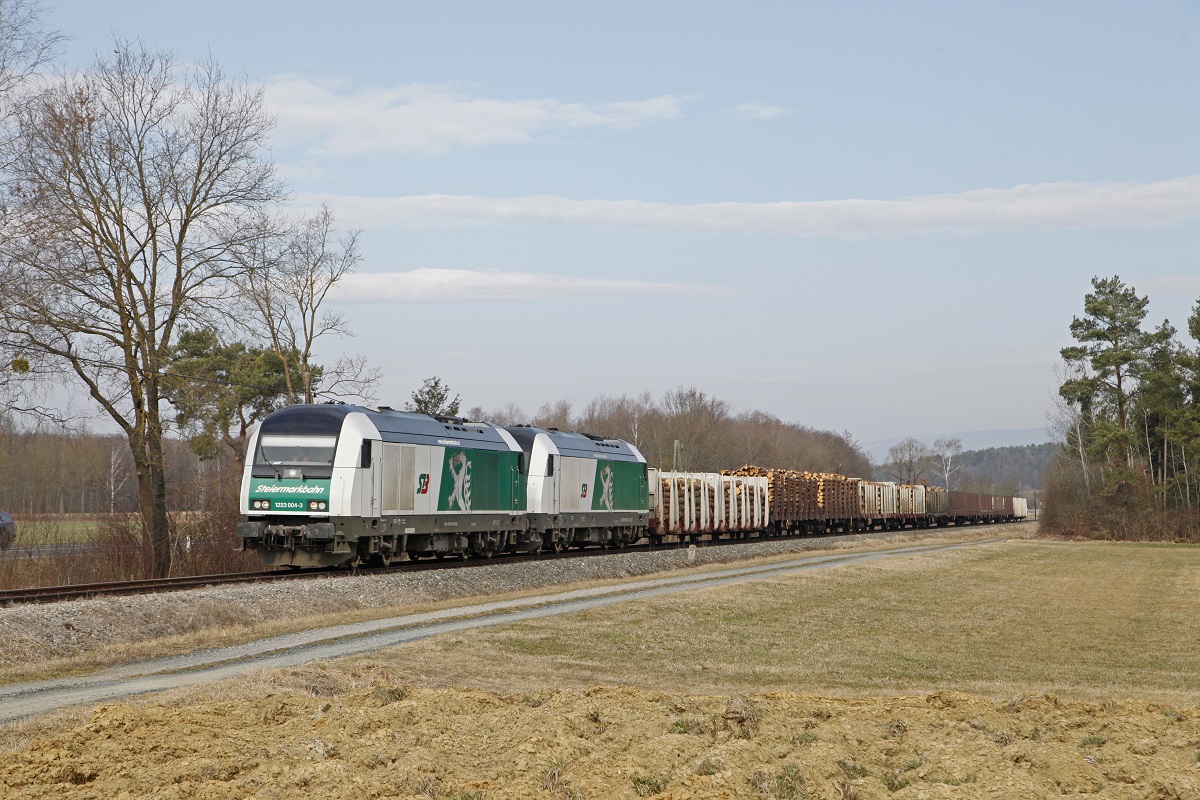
(288, 276)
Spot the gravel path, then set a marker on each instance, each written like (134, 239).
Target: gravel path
(43, 633)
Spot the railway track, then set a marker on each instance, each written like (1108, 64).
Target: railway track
(53, 594)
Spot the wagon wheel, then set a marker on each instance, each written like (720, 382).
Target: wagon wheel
(359, 559)
(486, 545)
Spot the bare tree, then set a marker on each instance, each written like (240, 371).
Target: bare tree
(944, 452)
(698, 422)
(908, 461)
(131, 189)
(25, 45)
(554, 415)
(511, 414)
(623, 417)
(287, 281)
(1068, 421)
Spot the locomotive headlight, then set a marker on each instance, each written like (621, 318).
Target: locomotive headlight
(317, 505)
(260, 504)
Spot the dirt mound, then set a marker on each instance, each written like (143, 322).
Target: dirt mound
(413, 742)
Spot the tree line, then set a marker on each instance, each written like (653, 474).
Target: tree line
(1129, 420)
(689, 430)
(51, 471)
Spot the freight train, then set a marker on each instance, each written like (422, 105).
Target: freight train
(343, 485)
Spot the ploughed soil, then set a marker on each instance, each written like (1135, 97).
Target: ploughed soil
(313, 736)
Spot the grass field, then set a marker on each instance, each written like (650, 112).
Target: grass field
(34, 532)
(1078, 619)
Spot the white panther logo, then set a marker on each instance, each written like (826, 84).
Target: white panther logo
(461, 496)
(606, 487)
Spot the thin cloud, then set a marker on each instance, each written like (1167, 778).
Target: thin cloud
(755, 111)
(458, 285)
(1044, 206)
(334, 118)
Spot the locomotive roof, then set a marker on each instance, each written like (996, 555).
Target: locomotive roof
(393, 426)
(576, 445)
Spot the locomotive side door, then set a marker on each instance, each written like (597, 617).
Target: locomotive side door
(370, 469)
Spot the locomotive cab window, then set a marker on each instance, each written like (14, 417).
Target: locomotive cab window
(278, 450)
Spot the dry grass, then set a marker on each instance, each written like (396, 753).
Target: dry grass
(185, 623)
(1077, 619)
(77, 549)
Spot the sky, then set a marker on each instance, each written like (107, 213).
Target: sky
(874, 217)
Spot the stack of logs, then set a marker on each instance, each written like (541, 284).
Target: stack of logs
(838, 496)
(802, 496)
(791, 495)
(685, 485)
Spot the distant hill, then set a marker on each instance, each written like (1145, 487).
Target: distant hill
(971, 440)
(992, 468)
(996, 469)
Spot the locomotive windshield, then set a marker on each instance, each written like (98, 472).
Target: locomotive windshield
(278, 450)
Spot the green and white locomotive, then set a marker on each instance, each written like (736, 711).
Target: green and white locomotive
(329, 485)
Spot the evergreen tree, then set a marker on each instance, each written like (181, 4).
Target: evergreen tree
(434, 398)
(220, 390)
(1134, 423)
(1112, 353)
